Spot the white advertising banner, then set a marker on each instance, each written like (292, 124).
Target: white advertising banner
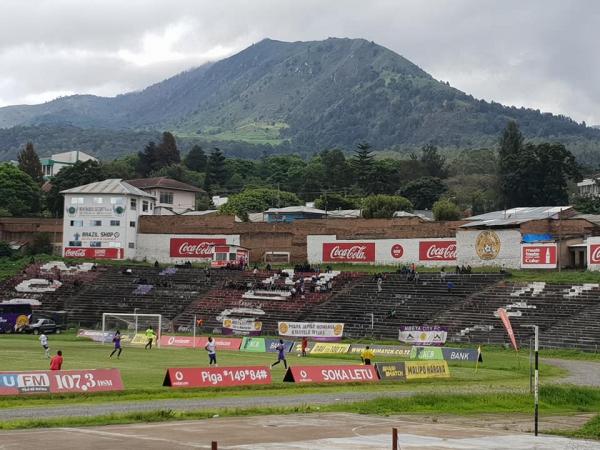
(423, 335)
(323, 331)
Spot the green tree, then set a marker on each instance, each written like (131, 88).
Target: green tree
(40, 244)
(29, 162)
(587, 204)
(445, 210)
(196, 159)
(384, 206)
(167, 152)
(19, 194)
(257, 200)
(216, 171)
(510, 166)
(433, 162)
(180, 173)
(146, 160)
(79, 174)
(331, 202)
(123, 168)
(5, 250)
(338, 173)
(423, 192)
(362, 164)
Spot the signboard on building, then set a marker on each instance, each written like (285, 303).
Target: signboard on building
(193, 247)
(539, 256)
(348, 252)
(437, 250)
(93, 253)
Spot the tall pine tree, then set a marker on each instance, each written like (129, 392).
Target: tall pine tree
(216, 171)
(363, 163)
(29, 162)
(509, 159)
(196, 159)
(167, 152)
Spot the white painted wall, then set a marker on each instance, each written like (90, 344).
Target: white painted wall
(508, 256)
(156, 247)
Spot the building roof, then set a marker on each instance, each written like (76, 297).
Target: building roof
(163, 182)
(110, 186)
(515, 216)
(344, 214)
(295, 209)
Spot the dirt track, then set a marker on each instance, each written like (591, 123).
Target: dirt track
(581, 373)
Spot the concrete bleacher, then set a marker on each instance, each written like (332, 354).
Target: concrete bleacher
(368, 312)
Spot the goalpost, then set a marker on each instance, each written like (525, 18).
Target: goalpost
(131, 324)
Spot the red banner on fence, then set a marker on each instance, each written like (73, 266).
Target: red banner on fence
(331, 374)
(93, 253)
(437, 250)
(216, 376)
(349, 252)
(60, 381)
(194, 247)
(200, 342)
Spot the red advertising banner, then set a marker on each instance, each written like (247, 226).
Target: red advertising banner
(349, 252)
(93, 253)
(594, 254)
(397, 251)
(200, 342)
(331, 374)
(539, 256)
(194, 247)
(60, 381)
(506, 321)
(216, 376)
(437, 250)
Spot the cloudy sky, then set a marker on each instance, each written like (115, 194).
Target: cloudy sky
(541, 54)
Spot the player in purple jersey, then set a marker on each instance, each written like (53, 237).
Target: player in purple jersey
(280, 354)
(117, 342)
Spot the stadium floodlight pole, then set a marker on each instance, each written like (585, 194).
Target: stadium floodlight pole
(536, 381)
(194, 328)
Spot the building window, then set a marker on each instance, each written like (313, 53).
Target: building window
(131, 245)
(74, 243)
(76, 223)
(145, 206)
(95, 244)
(116, 200)
(114, 244)
(151, 206)
(166, 197)
(76, 200)
(98, 200)
(133, 204)
(115, 223)
(132, 224)
(95, 223)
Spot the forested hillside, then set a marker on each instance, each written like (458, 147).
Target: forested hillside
(308, 96)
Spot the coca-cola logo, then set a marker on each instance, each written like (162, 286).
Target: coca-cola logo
(202, 249)
(397, 251)
(437, 251)
(194, 247)
(74, 253)
(595, 254)
(349, 252)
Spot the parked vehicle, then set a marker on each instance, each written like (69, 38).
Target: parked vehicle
(45, 326)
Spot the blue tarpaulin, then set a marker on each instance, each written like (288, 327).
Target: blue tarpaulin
(528, 238)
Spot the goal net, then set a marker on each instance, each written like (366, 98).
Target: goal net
(132, 326)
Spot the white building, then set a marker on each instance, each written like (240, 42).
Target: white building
(589, 187)
(101, 219)
(51, 165)
(171, 196)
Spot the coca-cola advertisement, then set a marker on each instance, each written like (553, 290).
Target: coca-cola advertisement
(194, 247)
(437, 251)
(397, 251)
(594, 253)
(348, 252)
(542, 256)
(93, 253)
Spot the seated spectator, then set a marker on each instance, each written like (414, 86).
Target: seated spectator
(469, 269)
(450, 286)
(457, 270)
(156, 264)
(463, 269)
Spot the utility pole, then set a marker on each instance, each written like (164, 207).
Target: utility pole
(536, 379)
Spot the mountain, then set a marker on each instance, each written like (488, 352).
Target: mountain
(291, 96)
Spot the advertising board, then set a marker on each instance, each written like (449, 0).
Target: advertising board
(188, 377)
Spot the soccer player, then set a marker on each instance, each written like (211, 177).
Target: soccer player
(117, 342)
(151, 336)
(304, 345)
(56, 361)
(367, 356)
(44, 343)
(280, 354)
(211, 348)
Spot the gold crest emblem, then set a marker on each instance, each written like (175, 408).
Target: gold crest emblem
(337, 329)
(283, 328)
(487, 245)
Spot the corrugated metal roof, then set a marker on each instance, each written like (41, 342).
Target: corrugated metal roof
(515, 216)
(110, 186)
(295, 209)
(162, 182)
